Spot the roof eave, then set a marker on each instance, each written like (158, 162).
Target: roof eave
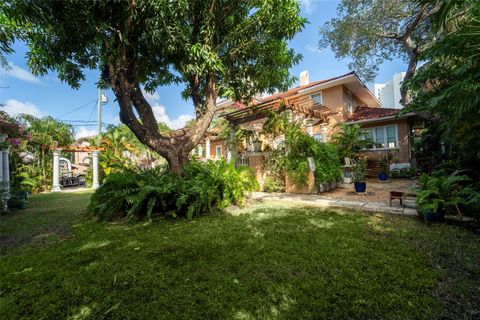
(338, 81)
(381, 119)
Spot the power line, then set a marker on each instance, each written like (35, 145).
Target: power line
(104, 124)
(93, 110)
(78, 108)
(84, 121)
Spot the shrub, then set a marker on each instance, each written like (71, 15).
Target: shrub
(327, 163)
(450, 192)
(403, 172)
(293, 158)
(203, 187)
(274, 183)
(110, 200)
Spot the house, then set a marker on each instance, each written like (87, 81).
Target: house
(320, 106)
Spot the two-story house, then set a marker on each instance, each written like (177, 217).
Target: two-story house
(320, 106)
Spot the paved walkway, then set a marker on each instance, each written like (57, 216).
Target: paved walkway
(323, 201)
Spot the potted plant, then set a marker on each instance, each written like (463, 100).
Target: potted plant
(358, 175)
(385, 169)
(430, 201)
(436, 194)
(16, 203)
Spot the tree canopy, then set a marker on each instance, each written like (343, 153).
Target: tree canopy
(447, 86)
(373, 31)
(213, 47)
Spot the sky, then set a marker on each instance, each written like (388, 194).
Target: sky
(22, 92)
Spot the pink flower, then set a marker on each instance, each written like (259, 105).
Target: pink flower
(15, 141)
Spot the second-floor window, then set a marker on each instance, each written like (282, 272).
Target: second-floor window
(317, 97)
(349, 101)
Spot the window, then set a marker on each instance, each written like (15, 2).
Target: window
(319, 137)
(384, 137)
(317, 98)
(379, 137)
(349, 101)
(392, 137)
(218, 152)
(322, 136)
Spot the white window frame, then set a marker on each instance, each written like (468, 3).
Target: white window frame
(319, 136)
(218, 155)
(349, 101)
(385, 137)
(322, 136)
(319, 93)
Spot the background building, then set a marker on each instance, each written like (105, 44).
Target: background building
(389, 93)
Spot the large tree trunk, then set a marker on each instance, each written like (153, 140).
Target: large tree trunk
(175, 146)
(176, 161)
(411, 69)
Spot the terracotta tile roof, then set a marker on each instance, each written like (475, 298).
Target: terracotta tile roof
(365, 113)
(293, 91)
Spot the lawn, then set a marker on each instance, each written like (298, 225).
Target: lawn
(265, 261)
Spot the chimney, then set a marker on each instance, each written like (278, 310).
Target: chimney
(304, 80)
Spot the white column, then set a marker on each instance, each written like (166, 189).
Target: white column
(200, 151)
(231, 147)
(310, 127)
(56, 172)
(95, 184)
(207, 148)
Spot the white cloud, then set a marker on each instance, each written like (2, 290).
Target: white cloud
(307, 5)
(313, 48)
(14, 107)
(151, 97)
(82, 132)
(20, 73)
(161, 115)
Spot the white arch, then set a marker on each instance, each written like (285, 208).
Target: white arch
(69, 164)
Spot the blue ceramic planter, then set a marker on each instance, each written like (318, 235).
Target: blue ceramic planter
(438, 216)
(383, 177)
(360, 187)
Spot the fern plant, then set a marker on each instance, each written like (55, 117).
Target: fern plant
(205, 186)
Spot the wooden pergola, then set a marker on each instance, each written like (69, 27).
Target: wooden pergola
(302, 104)
(56, 163)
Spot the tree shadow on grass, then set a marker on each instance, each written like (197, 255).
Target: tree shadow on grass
(266, 263)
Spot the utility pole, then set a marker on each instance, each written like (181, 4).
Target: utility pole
(99, 104)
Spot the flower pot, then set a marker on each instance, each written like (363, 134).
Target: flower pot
(360, 187)
(15, 203)
(383, 177)
(21, 195)
(429, 216)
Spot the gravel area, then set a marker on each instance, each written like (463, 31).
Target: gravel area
(376, 191)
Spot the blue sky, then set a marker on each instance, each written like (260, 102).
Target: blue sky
(48, 96)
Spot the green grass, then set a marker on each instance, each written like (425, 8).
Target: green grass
(266, 261)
